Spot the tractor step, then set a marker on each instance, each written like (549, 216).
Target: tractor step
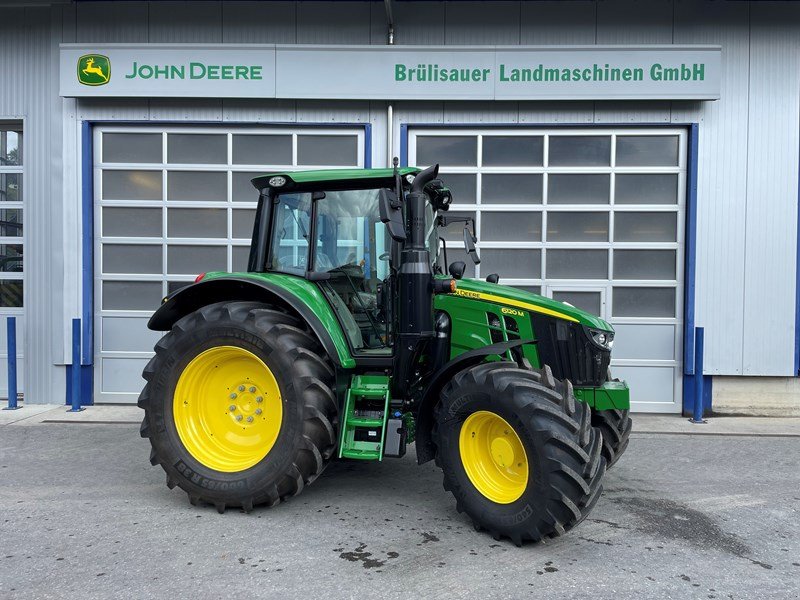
(366, 410)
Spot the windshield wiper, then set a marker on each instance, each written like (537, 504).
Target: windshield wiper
(300, 225)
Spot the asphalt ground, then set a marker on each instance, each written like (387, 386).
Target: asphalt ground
(84, 515)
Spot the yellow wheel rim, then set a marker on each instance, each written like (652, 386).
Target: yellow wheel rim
(493, 457)
(227, 409)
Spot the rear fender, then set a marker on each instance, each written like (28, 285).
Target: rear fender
(315, 311)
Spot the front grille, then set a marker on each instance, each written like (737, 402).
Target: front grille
(567, 349)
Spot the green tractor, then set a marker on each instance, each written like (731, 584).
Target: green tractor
(346, 339)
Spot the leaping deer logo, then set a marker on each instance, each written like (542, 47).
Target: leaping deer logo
(94, 69)
(90, 68)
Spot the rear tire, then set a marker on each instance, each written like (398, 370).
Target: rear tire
(564, 469)
(615, 425)
(306, 408)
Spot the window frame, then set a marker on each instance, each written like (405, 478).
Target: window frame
(16, 124)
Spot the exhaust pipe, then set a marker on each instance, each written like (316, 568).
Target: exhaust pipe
(415, 208)
(415, 287)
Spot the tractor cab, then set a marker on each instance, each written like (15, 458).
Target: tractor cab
(337, 234)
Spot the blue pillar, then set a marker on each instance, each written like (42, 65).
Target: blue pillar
(11, 342)
(75, 379)
(699, 339)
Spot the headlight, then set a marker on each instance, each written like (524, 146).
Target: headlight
(410, 178)
(604, 339)
(277, 181)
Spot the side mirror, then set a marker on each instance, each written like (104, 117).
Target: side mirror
(493, 278)
(457, 269)
(391, 214)
(441, 196)
(469, 244)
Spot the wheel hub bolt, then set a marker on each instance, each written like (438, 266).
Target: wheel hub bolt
(238, 417)
(258, 411)
(249, 419)
(232, 407)
(259, 399)
(241, 388)
(233, 396)
(252, 389)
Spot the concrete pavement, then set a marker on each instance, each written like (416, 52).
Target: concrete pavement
(83, 515)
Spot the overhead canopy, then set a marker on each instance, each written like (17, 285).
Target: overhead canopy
(334, 178)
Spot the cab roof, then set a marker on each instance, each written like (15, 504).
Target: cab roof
(338, 178)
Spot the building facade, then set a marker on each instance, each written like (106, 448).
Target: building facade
(662, 208)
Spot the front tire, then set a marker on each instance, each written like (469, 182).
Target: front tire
(239, 406)
(517, 451)
(615, 425)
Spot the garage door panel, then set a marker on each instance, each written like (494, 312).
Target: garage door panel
(644, 342)
(243, 190)
(654, 386)
(194, 186)
(250, 149)
(512, 263)
(129, 184)
(197, 148)
(122, 375)
(637, 188)
(645, 264)
(578, 188)
(525, 188)
(646, 302)
(192, 260)
(132, 258)
(242, 224)
(132, 222)
(197, 222)
(647, 150)
(132, 148)
(127, 334)
(240, 256)
(512, 150)
(131, 295)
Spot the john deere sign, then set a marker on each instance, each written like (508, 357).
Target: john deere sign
(169, 71)
(393, 72)
(94, 69)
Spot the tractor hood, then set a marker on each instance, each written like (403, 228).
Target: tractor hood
(516, 298)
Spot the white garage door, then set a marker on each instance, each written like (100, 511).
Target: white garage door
(173, 202)
(593, 217)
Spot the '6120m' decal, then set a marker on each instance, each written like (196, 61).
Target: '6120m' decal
(512, 302)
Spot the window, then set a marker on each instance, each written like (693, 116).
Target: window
(11, 216)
